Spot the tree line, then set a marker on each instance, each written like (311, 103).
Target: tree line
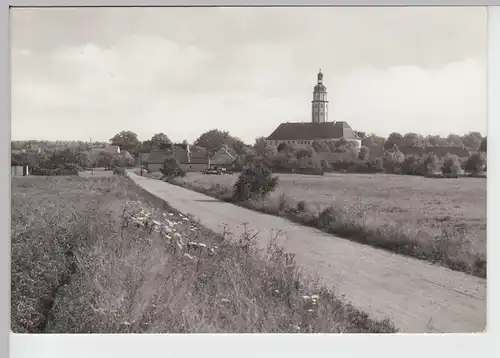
(68, 154)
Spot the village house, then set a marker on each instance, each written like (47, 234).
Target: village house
(319, 129)
(94, 153)
(189, 161)
(223, 158)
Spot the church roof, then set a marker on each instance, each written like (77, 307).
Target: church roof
(312, 131)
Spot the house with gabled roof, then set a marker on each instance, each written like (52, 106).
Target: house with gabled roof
(189, 161)
(223, 158)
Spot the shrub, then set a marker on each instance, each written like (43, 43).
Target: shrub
(476, 163)
(451, 165)
(410, 165)
(172, 169)
(254, 181)
(364, 153)
(118, 171)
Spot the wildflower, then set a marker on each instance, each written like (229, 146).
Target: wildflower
(310, 310)
(276, 291)
(315, 297)
(156, 222)
(189, 256)
(306, 298)
(225, 300)
(167, 229)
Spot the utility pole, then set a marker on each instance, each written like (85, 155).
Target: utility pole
(91, 157)
(140, 161)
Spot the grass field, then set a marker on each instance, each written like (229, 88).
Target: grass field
(440, 220)
(101, 256)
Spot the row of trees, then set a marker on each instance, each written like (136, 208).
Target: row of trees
(473, 141)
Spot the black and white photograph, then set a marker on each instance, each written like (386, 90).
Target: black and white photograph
(248, 169)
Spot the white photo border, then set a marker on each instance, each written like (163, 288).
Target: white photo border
(231, 345)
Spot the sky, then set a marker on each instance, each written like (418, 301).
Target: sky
(80, 73)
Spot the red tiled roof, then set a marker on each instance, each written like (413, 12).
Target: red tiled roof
(312, 131)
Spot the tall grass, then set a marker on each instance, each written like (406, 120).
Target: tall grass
(451, 248)
(101, 256)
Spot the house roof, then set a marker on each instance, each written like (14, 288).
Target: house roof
(159, 156)
(312, 131)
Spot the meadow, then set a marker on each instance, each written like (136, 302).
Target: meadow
(99, 255)
(439, 220)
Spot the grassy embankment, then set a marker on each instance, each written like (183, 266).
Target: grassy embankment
(100, 255)
(441, 221)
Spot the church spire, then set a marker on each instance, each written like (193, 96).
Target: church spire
(320, 101)
(320, 76)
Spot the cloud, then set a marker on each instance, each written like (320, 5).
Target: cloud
(444, 100)
(184, 78)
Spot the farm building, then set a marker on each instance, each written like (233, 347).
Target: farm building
(93, 154)
(223, 158)
(19, 170)
(189, 161)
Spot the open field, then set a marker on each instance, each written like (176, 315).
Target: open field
(100, 255)
(440, 220)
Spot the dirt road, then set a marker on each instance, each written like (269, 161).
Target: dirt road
(417, 296)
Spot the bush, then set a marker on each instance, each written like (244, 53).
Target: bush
(119, 171)
(451, 165)
(476, 163)
(172, 169)
(364, 153)
(254, 181)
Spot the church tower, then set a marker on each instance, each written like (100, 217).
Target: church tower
(320, 101)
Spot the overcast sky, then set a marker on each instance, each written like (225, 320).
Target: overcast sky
(80, 73)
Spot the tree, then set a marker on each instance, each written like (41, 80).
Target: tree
(454, 140)
(214, 139)
(483, 146)
(430, 164)
(160, 141)
(364, 153)
(171, 168)
(472, 141)
(254, 181)
(412, 140)
(451, 165)
(126, 140)
(260, 145)
(435, 141)
(476, 163)
(361, 135)
(394, 139)
(373, 141)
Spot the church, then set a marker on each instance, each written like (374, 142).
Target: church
(319, 129)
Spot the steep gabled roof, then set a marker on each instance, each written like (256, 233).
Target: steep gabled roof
(312, 131)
